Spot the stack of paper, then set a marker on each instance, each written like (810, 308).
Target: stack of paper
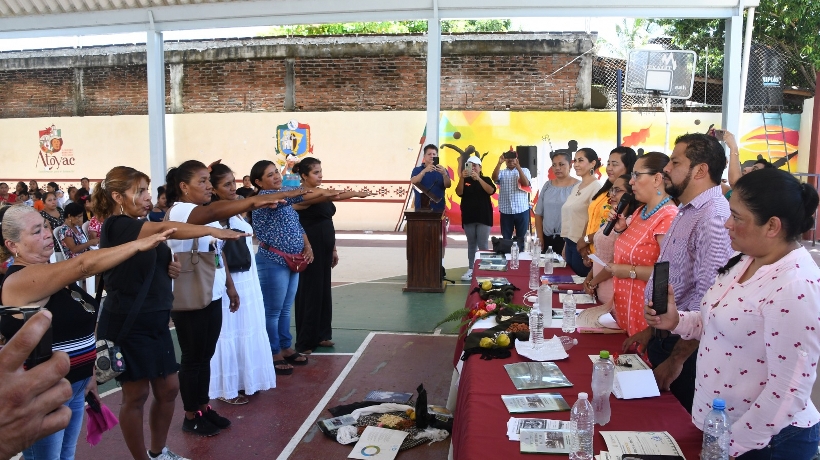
(378, 443)
(634, 379)
(515, 425)
(534, 375)
(551, 350)
(535, 402)
(622, 443)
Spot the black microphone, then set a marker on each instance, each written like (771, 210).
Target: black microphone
(619, 208)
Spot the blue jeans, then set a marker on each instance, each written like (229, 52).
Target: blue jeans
(574, 259)
(62, 444)
(279, 286)
(792, 443)
(518, 222)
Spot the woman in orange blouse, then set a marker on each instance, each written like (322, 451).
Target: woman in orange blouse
(639, 244)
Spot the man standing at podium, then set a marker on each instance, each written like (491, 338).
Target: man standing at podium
(432, 179)
(513, 197)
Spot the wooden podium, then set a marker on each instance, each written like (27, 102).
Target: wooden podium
(424, 251)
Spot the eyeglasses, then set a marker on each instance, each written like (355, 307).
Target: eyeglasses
(635, 174)
(615, 190)
(79, 298)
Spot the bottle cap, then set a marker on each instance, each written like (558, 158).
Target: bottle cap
(604, 354)
(718, 404)
(583, 395)
(569, 292)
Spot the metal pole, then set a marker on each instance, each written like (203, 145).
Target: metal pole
(667, 109)
(747, 49)
(433, 75)
(619, 76)
(156, 107)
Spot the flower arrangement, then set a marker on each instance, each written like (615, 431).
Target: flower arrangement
(480, 310)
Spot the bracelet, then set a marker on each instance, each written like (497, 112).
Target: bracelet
(616, 231)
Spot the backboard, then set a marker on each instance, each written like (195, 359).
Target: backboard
(665, 73)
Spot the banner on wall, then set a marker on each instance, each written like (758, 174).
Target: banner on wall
(52, 157)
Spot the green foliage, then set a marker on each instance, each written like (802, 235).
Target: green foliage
(632, 34)
(390, 27)
(790, 26)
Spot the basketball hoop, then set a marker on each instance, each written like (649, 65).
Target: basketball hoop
(668, 74)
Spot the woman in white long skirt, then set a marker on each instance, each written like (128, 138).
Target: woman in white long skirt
(242, 364)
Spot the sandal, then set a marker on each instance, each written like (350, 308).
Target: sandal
(282, 370)
(237, 401)
(294, 359)
(326, 343)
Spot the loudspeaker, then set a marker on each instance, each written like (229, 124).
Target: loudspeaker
(528, 158)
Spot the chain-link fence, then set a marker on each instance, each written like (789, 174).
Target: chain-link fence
(771, 71)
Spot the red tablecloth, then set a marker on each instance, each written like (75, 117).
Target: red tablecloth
(480, 428)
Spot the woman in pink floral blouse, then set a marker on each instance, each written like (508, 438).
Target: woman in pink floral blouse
(759, 324)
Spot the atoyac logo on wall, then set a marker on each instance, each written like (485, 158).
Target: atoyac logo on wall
(293, 138)
(52, 157)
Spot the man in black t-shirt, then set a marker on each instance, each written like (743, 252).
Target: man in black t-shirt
(475, 191)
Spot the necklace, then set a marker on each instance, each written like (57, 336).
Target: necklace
(645, 216)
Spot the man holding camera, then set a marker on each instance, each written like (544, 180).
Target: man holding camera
(513, 197)
(432, 179)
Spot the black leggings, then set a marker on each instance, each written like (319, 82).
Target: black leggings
(198, 332)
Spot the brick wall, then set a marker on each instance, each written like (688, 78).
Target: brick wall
(274, 75)
(32, 93)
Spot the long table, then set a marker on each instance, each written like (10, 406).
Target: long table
(480, 425)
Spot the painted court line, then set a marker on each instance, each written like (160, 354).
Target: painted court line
(320, 406)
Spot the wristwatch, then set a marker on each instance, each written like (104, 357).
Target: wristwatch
(586, 239)
(632, 273)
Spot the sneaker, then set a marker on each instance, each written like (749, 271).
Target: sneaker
(199, 425)
(467, 276)
(216, 419)
(167, 455)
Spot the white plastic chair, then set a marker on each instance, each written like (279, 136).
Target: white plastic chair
(57, 256)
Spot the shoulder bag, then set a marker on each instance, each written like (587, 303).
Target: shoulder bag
(237, 254)
(110, 362)
(193, 289)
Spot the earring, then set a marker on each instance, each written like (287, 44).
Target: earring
(16, 255)
(122, 211)
(659, 193)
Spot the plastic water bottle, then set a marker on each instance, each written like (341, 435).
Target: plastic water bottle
(527, 242)
(603, 376)
(583, 428)
(568, 323)
(568, 342)
(536, 327)
(535, 275)
(545, 302)
(549, 259)
(716, 433)
(514, 256)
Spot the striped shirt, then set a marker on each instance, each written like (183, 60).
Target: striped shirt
(72, 328)
(695, 246)
(511, 199)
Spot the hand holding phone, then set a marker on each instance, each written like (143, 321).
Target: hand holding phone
(660, 287)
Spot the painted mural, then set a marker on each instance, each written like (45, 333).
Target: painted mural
(492, 133)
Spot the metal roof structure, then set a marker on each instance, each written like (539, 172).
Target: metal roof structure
(42, 18)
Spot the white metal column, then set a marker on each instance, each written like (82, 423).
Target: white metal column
(732, 51)
(433, 76)
(156, 108)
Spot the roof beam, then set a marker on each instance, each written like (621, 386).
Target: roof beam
(282, 12)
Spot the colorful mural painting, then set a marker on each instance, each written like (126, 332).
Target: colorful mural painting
(292, 138)
(496, 132)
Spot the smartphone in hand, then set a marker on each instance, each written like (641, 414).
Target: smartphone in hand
(660, 287)
(435, 161)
